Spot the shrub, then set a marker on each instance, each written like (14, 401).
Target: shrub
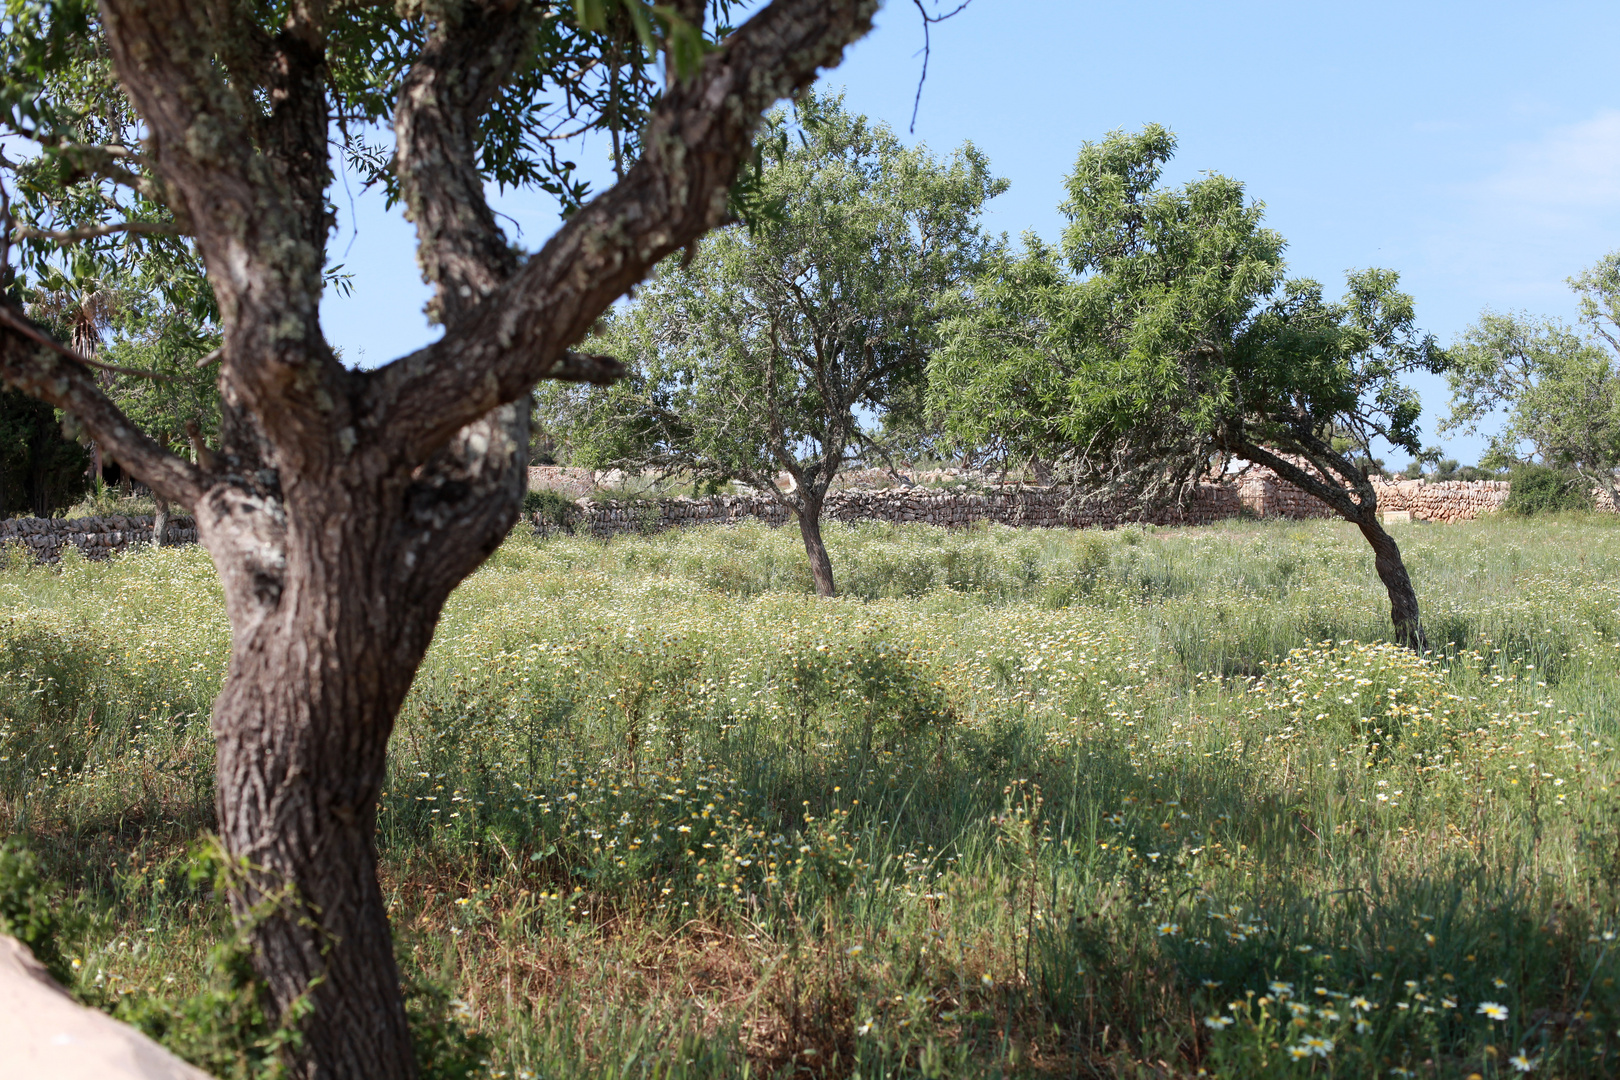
(1541, 489)
(29, 909)
(553, 507)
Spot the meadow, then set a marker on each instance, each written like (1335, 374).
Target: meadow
(1138, 803)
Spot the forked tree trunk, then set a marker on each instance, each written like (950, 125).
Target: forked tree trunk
(809, 515)
(333, 598)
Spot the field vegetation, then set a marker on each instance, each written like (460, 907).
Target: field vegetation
(1131, 803)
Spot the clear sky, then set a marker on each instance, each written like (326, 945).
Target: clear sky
(1475, 148)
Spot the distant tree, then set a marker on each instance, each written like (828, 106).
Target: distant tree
(1559, 385)
(780, 348)
(1162, 340)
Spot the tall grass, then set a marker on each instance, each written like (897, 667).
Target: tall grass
(1134, 803)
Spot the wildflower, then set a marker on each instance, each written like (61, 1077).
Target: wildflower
(1211, 984)
(1522, 1062)
(1362, 1027)
(1169, 929)
(1499, 984)
(1282, 989)
(865, 1028)
(1299, 1053)
(1360, 1004)
(463, 901)
(1492, 1010)
(1216, 1023)
(855, 950)
(1317, 1045)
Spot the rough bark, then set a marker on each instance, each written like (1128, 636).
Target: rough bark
(809, 515)
(1356, 501)
(341, 508)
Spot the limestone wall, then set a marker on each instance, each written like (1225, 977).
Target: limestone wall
(95, 537)
(1259, 493)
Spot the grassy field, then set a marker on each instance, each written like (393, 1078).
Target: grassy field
(1129, 803)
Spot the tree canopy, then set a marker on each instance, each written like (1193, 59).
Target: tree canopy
(1161, 340)
(782, 346)
(1559, 384)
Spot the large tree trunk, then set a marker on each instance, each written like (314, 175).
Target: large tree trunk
(1403, 602)
(809, 515)
(302, 730)
(333, 596)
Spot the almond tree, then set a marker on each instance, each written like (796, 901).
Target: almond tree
(341, 507)
(770, 351)
(1161, 340)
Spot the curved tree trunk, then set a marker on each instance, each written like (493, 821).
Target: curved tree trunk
(809, 515)
(1362, 512)
(1403, 602)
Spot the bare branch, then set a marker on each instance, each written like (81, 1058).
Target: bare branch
(588, 368)
(927, 21)
(31, 362)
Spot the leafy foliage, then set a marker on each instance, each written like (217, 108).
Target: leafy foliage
(1161, 338)
(1542, 489)
(782, 340)
(1559, 384)
(30, 909)
(40, 468)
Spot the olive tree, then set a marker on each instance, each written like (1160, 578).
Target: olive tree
(1161, 340)
(341, 507)
(779, 348)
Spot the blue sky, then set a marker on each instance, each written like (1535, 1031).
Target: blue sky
(1475, 148)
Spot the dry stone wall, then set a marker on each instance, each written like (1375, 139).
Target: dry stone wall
(95, 537)
(1256, 493)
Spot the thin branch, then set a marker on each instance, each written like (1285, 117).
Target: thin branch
(91, 232)
(23, 327)
(928, 20)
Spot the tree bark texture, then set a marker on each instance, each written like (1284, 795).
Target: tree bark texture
(821, 571)
(342, 507)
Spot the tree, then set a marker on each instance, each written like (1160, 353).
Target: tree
(341, 507)
(1162, 341)
(781, 343)
(1559, 385)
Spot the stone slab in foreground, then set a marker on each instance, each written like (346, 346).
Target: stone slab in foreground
(46, 1035)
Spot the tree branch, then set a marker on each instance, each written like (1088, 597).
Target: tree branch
(677, 191)
(90, 232)
(40, 367)
(463, 253)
